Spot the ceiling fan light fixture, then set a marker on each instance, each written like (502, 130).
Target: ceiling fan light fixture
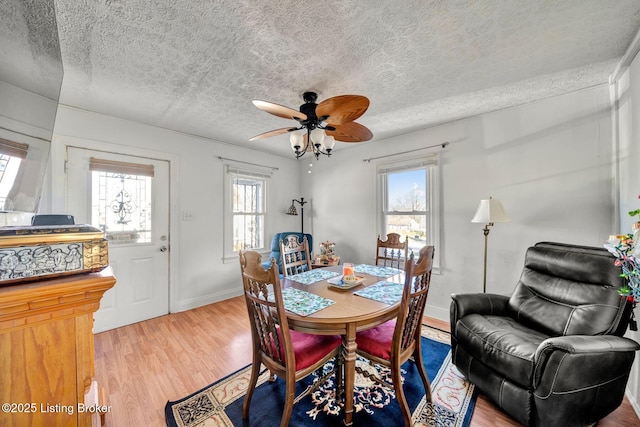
(296, 141)
(334, 115)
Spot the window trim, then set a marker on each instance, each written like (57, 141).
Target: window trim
(231, 169)
(14, 149)
(431, 164)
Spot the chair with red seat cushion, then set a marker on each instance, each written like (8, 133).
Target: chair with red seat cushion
(289, 354)
(396, 341)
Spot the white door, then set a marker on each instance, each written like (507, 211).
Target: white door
(128, 198)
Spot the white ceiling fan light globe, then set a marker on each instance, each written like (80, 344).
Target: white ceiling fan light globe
(317, 136)
(296, 141)
(329, 142)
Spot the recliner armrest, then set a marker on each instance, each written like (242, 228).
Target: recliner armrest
(601, 352)
(463, 304)
(580, 378)
(574, 344)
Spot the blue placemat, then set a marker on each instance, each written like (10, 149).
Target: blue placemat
(386, 292)
(378, 271)
(313, 276)
(303, 303)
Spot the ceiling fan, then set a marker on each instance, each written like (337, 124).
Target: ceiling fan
(321, 124)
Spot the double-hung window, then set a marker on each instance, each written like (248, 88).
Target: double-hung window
(409, 203)
(245, 209)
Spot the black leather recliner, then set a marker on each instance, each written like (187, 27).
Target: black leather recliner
(551, 354)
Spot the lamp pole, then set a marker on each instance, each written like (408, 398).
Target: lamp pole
(302, 203)
(489, 211)
(485, 230)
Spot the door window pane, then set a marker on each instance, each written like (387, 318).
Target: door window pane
(121, 206)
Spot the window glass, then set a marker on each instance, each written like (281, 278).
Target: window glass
(121, 205)
(9, 167)
(248, 197)
(406, 212)
(408, 203)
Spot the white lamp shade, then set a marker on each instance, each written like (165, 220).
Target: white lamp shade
(490, 210)
(296, 141)
(329, 142)
(317, 136)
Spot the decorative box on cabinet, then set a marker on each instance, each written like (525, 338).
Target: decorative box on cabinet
(28, 253)
(47, 351)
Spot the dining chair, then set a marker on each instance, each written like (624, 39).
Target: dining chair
(398, 340)
(286, 353)
(295, 255)
(391, 252)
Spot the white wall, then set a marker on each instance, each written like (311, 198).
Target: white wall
(21, 106)
(627, 93)
(549, 163)
(198, 275)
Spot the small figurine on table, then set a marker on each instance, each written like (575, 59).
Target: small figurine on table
(327, 255)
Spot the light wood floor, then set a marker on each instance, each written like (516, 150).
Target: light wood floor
(143, 365)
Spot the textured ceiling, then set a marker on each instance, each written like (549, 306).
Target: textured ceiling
(29, 51)
(195, 65)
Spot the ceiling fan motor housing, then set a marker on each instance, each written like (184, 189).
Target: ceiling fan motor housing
(309, 107)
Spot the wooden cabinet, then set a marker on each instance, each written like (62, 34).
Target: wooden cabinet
(47, 351)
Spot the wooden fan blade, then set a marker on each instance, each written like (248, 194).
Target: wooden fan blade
(350, 132)
(280, 110)
(342, 109)
(272, 133)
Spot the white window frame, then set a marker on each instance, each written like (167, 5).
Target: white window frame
(429, 163)
(231, 170)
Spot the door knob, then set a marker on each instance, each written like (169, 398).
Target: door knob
(163, 248)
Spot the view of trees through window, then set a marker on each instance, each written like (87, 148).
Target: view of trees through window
(406, 207)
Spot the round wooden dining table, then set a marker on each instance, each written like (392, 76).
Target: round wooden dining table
(348, 315)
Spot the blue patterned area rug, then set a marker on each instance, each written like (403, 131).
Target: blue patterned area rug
(220, 404)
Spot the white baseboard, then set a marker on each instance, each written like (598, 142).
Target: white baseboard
(206, 299)
(437, 312)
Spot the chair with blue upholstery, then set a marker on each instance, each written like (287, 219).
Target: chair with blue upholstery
(275, 247)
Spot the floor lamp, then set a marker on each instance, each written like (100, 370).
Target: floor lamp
(489, 211)
(293, 211)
